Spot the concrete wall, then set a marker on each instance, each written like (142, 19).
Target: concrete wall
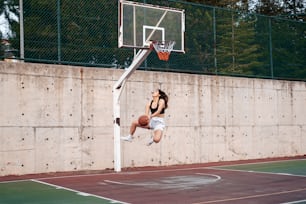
(59, 118)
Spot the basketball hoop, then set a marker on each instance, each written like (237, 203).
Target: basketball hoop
(163, 49)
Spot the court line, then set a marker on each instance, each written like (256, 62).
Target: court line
(253, 196)
(78, 192)
(14, 181)
(215, 175)
(217, 167)
(121, 183)
(262, 162)
(257, 172)
(294, 202)
(158, 184)
(122, 173)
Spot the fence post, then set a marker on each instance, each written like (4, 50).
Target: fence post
(59, 30)
(21, 27)
(215, 40)
(270, 47)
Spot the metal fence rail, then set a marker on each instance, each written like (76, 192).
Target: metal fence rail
(217, 41)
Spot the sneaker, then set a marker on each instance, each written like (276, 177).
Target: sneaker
(127, 138)
(151, 141)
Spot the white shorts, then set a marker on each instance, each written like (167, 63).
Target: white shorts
(157, 123)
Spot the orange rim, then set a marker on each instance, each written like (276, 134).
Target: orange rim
(163, 56)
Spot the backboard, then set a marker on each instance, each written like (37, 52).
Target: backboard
(139, 24)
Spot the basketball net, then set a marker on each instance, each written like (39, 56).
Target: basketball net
(163, 49)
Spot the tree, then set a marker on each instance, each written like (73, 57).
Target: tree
(295, 9)
(289, 40)
(230, 38)
(237, 49)
(87, 31)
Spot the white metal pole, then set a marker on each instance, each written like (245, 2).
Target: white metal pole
(117, 90)
(117, 147)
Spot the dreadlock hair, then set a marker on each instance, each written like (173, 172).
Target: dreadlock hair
(164, 96)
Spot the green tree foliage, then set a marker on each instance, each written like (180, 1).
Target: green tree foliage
(86, 34)
(229, 40)
(40, 29)
(199, 37)
(289, 48)
(237, 49)
(87, 30)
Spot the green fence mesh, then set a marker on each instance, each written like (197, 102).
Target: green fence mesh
(217, 41)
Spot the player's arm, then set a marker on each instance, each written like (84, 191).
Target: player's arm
(161, 105)
(147, 111)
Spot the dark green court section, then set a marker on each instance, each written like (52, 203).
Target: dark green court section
(30, 192)
(296, 167)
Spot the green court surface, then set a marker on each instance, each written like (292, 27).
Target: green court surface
(32, 192)
(293, 167)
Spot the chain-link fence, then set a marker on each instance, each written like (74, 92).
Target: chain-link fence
(217, 41)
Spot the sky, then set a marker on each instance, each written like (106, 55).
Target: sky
(4, 25)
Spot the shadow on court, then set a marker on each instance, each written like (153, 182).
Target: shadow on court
(281, 181)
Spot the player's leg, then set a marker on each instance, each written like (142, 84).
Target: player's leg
(133, 128)
(157, 135)
(158, 125)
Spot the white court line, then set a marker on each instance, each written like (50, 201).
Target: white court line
(204, 174)
(294, 202)
(122, 173)
(121, 183)
(262, 162)
(14, 181)
(125, 173)
(256, 172)
(173, 182)
(132, 184)
(253, 196)
(78, 192)
(218, 167)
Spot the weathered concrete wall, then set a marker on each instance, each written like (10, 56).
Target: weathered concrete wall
(59, 118)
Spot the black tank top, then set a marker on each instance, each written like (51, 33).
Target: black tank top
(153, 110)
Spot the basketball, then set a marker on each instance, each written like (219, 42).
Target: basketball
(143, 120)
